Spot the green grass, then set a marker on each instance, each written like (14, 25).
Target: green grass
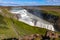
(6, 28)
(54, 13)
(24, 29)
(51, 12)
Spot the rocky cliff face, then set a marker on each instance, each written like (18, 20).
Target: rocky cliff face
(57, 25)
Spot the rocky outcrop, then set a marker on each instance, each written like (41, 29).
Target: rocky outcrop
(48, 36)
(57, 25)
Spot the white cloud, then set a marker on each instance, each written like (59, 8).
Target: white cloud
(30, 3)
(48, 2)
(53, 1)
(20, 3)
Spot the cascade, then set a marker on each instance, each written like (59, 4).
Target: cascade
(32, 19)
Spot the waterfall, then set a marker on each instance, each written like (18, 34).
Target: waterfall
(32, 19)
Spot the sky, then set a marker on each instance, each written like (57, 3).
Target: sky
(28, 2)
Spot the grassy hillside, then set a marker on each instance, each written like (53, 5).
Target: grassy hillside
(10, 27)
(25, 29)
(54, 10)
(6, 30)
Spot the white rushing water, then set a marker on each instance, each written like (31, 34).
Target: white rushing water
(31, 19)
